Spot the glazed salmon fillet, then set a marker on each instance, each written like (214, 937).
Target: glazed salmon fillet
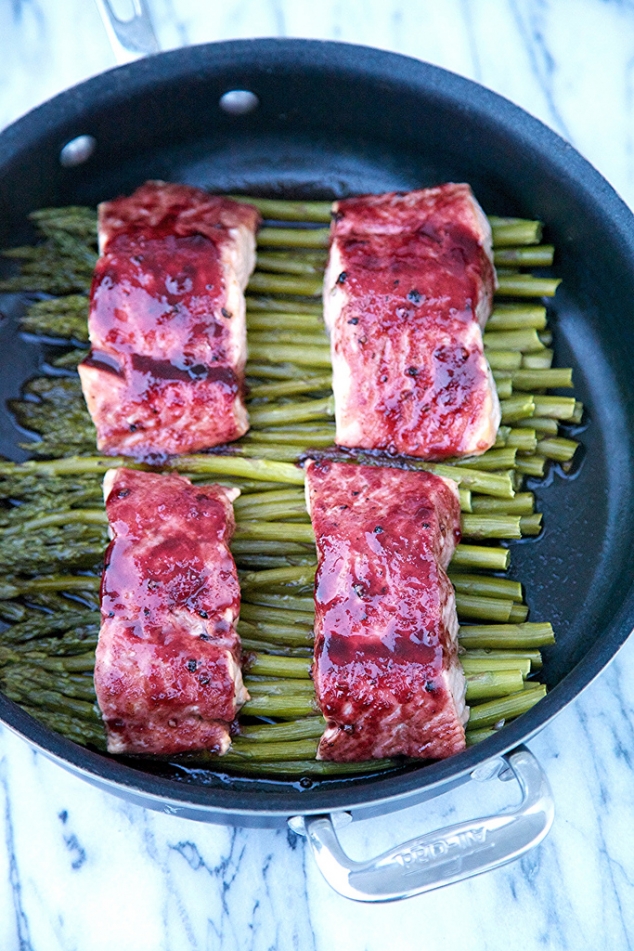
(165, 373)
(408, 289)
(167, 673)
(386, 670)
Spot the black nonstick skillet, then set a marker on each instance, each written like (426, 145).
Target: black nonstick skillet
(325, 120)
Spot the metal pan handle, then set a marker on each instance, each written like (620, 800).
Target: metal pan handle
(133, 38)
(440, 858)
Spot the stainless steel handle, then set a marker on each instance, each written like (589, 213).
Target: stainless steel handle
(443, 857)
(130, 39)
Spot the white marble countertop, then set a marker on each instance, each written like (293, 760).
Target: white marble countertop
(80, 869)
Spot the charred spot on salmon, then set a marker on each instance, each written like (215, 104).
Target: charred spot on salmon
(168, 370)
(198, 371)
(105, 362)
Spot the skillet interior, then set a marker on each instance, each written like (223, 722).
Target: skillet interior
(335, 120)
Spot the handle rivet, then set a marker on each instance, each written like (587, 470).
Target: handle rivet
(77, 151)
(239, 102)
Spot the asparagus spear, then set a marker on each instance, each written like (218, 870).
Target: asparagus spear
(525, 285)
(514, 231)
(513, 636)
(283, 210)
(506, 708)
(286, 262)
(517, 316)
(292, 238)
(535, 256)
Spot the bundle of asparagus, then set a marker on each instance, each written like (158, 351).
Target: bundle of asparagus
(53, 527)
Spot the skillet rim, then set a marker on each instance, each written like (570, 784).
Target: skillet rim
(65, 116)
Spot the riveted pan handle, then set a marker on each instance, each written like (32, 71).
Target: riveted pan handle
(440, 858)
(132, 38)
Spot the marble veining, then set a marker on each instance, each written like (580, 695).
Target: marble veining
(81, 870)
(72, 851)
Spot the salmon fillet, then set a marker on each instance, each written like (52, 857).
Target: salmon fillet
(167, 672)
(408, 288)
(165, 373)
(386, 668)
